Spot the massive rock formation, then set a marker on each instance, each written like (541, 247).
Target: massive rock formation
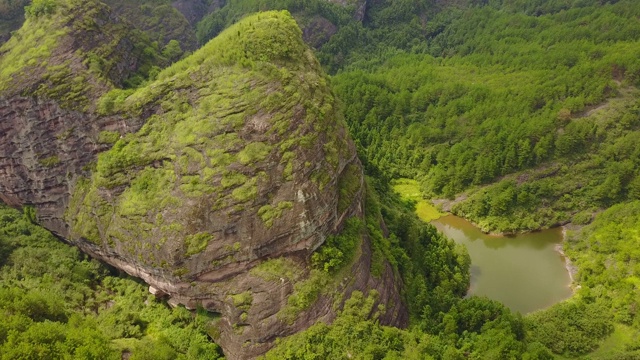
(54, 70)
(215, 183)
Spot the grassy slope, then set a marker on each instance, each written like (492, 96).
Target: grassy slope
(409, 190)
(31, 46)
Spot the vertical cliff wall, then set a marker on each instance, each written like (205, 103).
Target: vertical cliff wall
(215, 183)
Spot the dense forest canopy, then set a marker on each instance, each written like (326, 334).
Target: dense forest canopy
(11, 16)
(58, 304)
(505, 93)
(527, 113)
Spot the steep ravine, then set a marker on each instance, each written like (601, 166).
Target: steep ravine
(233, 160)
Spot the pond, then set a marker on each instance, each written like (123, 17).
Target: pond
(524, 271)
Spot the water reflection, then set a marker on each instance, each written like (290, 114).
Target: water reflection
(522, 271)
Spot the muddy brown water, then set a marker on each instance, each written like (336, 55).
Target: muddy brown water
(524, 271)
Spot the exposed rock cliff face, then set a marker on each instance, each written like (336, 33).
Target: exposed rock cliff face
(242, 169)
(43, 149)
(48, 133)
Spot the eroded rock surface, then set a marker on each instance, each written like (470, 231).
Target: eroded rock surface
(214, 184)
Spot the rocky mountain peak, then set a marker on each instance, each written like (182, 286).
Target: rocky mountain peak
(215, 183)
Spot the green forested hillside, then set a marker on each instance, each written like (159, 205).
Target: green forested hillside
(304, 11)
(606, 254)
(56, 303)
(504, 93)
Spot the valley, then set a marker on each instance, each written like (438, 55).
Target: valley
(255, 179)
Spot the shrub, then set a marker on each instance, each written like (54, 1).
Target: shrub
(40, 7)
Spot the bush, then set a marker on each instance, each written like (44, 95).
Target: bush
(338, 250)
(40, 8)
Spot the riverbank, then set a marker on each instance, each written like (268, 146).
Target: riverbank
(432, 210)
(571, 268)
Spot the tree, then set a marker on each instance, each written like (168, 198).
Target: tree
(172, 50)
(40, 8)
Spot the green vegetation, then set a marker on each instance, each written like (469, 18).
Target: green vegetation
(197, 243)
(306, 292)
(305, 11)
(39, 59)
(276, 269)
(356, 333)
(493, 92)
(57, 303)
(50, 161)
(28, 48)
(349, 184)
(339, 250)
(40, 8)
(161, 22)
(242, 301)
(571, 328)
(606, 254)
(328, 266)
(409, 190)
(108, 137)
(435, 270)
(254, 152)
(11, 17)
(269, 213)
(620, 342)
(605, 166)
(353, 333)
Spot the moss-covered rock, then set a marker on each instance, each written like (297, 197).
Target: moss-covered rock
(224, 146)
(233, 159)
(73, 51)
